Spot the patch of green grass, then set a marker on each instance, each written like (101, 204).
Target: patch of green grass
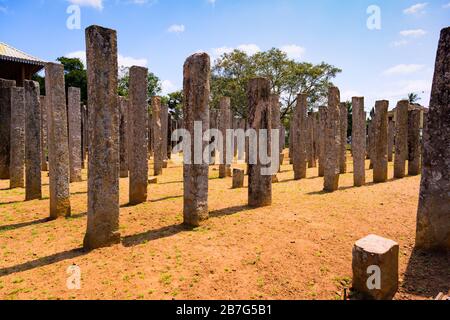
(165, 278)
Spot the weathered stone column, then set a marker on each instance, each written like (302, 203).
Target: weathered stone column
(433, 220)
(85, 126)
(17, 149)
(124, 138)
(103, 118)
(196, 90)
(401, 139)
(299, 132)
(5, 126)
(359, 142)
(259, 118)
(139, 135)
(74, 118)
(332, 141)
(44, 139)
(414, 150)
(322, 120)
(158, 156)
(344, 126)
(164, 130)
(371, 140)
(33, 150)
(224, 125)
(391, 139)
(57, 141)
(380, 161)
(310, 141)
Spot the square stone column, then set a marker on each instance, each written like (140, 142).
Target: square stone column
(196, 90)
(17, 148)
(299, 137)
(259, 118)
(332, 141)
(401, 139)
(74, 118)
(103, 175)
(165, 130)
(224, 125)
(380, 161)
(414, 149)
(58, 141)
(139, 135)
(343, 119)
(433, 219)
(33, 141)
(158, 155)
(391, 139)
(359, 142)
(322, 120)
(5, 126)
(124, 138)
(375, 268)
(44, 135)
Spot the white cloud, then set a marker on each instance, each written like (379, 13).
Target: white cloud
(403, 69)
(400, 43)
(413, 33)
(217, 52)
(293, 51)
(176, 28)
(123, 61)
(446, 6)
(416, 9)
(249, 49)
(168, 87)
(97, 4)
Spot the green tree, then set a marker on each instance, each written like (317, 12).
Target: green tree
(174, 101)
(154, 83)
(413, 98)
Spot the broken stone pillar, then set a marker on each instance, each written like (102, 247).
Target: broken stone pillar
(5, 126)
(139, 135)
(238, 178)
(433, 220)
(44, 139)
(17, 149)
(74, 118)
(224, 125)
(401, 139)
(259, 118)
(299, 132)
(57, 141)
(165, 131)
(380, 161)
(414, 150)
(124, 139)
(375, 268)
(359, 142)
(332, 141)
(321, 155)
(344, 128)
(158, 157)
(391, 139)
(196, 90)
(32, 141)
(103, 178)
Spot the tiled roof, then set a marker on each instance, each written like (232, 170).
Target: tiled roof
(11, 54)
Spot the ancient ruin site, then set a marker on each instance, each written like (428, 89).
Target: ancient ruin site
(245, 172)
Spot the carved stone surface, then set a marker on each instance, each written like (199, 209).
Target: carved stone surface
(17, 148)
(299, 139)
(74, 118)
(321, 153)
(359, 142)
(5, 126)
(391, 139)
(380, 161)
(124, 137)
(343, 119)
(158, 154)
(401, 139)
(44, 135)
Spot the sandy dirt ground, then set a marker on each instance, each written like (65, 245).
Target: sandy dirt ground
(299, 248)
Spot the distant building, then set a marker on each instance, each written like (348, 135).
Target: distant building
(17, 65)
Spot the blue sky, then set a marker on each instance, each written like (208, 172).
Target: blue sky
(378, 64)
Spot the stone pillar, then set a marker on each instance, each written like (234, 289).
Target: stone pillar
(310, 141)
(299, 137)
(332, 141)
(17, 149)
(238, 178)
(259, 118)
(85, 136)
(139, 135)
(74, 117)
(359, 142)
(57, 141)
(374, 251)
(5, 126)
(103, 118)
(224, 125)
(344, 128)
(164, 130)
(196, 90)
(391, 139)
(32, 141)
(157, 136)
(322, 121)
(433, 220)
(316, 136)
(414, 151)
(401, 139)
(371, 140)
(380, 162)
(44, 139)
(124, 138)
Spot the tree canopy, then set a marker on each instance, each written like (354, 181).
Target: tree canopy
(154, 83)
